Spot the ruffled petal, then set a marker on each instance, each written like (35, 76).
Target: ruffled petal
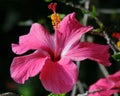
(103, 86)
(37, 38)
(97, 52)
(71, 31)
(59, 77)
(27, 66)
(108, 86)
(116, 79)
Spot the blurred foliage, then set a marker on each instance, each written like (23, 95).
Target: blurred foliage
(48, 0)
(94, 13)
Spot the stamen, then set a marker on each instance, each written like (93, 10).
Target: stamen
(118, 44)
(55, 17)
(55, 20)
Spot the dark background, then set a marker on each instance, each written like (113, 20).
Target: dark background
(13, 17)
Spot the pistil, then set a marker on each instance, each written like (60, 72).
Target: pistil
(55, 17)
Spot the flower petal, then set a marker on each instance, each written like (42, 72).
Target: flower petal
(27, 66)
(37, 38)
(97, 52)
(109, 85)
(115, 78)
(59, 77)
(71, 31)
(104, 85)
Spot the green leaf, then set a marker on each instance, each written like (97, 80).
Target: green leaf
(56, 94)
(62, 16)
(93, 12)
(116, 56)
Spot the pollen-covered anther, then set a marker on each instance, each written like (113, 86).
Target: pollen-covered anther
(55, 20)
(118, 45)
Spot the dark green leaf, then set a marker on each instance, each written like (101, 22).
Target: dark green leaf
(116, 56)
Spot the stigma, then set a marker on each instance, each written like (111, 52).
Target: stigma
(55, 17)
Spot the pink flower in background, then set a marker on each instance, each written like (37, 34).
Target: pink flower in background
(107, 86)
(54, 55)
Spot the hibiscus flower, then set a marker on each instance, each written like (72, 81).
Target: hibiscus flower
(54, 54)
(106, 86)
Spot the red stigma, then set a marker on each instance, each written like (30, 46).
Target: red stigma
(52, 6)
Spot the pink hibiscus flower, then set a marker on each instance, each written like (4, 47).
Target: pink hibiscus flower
(54, 55)
(106, 86)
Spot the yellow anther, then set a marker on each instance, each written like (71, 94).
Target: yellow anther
(118, 44)
(55, 20)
